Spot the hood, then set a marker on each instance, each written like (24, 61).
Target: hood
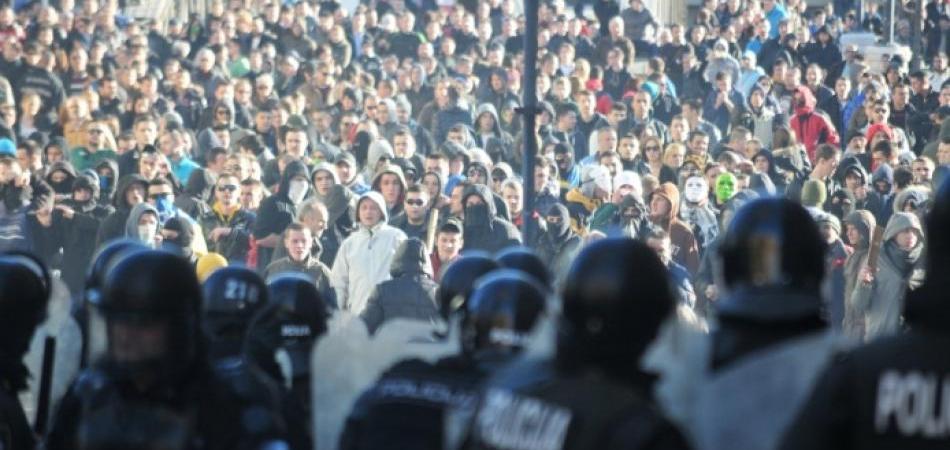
(915, 195)
(377, 150)
(132, 223)
(337, 202)
(108, 187)
(374, 197)
(438, 176)
(484, 192)
(809, 105)
(410, 259)
(224, 105)
(901, 221)
(489, 109)
(123, 186)
(848, 165)
(88, 181)
(391, 169)
(207, 140)
(326, 167)
(293, 169)
(200, 184)
(564, 227)
(391, 108)
(883, 173)
(864, 222)
(64, 187)
(671, 194)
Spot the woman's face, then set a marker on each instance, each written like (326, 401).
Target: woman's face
(652, 150)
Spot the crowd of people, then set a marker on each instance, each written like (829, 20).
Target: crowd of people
(366, 149)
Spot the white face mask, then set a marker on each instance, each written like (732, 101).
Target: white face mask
(297, 190)
(695, 190)
(147, 233)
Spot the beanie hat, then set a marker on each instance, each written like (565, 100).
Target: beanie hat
(7, 147)
(831, 220)
(599, 176)
(814, 193)
(880, 128)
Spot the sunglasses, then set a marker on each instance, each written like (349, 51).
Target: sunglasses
(415, 202)
(95, 131)
(651, 148)
(228, 187)
(159, 196)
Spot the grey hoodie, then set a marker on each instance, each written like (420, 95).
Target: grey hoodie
(132, 223)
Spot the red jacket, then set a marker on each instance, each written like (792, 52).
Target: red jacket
(810, 127)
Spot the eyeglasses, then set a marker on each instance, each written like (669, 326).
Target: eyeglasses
(228, 187)
(881, 110)
(414, 202)
(159, 195)
(473, 172)
(94, 131)
(651, 148)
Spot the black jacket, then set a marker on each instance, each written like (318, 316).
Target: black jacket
(78, 248)
(277, 211)
(483, 229)
(863, 399)
(113, 226)
(410, 294)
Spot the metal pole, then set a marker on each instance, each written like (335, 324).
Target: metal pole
(892, 18)
(916, 38)
(528, 111)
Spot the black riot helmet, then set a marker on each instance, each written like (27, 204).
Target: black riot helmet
(294, 318)
(24, 295)
(232, 297)
(149, 309)
(926, 306)
(772, 246)
(104, 260)
(458, 279)
(525, 260)
(503, 308)
(616, 296)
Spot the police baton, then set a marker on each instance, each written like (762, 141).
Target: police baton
(46, 386)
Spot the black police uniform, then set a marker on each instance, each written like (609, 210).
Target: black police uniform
(592, 394)
(893, 393)
(24, 293)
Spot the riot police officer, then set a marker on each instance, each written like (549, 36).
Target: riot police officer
(406, 408)
(771, 340)
(152, 386)
(893, 392)
(283, 333)
(526, 260)
(233, 296)
(592, 394)
(24, 293)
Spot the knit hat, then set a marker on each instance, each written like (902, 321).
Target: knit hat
(814, 194)
(880, 128)
(629, 178)
(7, 147)
(831, 220)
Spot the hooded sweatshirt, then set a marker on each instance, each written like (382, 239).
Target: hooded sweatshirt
(410, 294)
(277, 211)
(863, 221)
(683, 245)
(114, 226)
(882, 300)
(364, 258)
(132, 223)
(810, 127)
(484, 230)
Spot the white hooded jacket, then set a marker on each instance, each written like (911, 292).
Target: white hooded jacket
(364, 258)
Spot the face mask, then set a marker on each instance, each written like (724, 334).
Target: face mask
(695, 190)
(725, 187)
(165, 207)
(477, 215)
(104, 183)
(147, 234)
(297, 190)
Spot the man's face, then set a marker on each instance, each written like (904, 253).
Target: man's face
(323, 181)
(641, 104)
(145, 133)
(512, 198)
(945, 96)
(842, 88)
(922, 172)
(251, 197)
(298, 244)
(226, 191)
(401, 147)
(943, 154)
(907, 239)
(390, 187)
(852, 181)
(900, 95)
(296, 143)
(158, 192)
(448, 245)
(416, 206)
(827, 166)
(828, 233)
(148, 166)
(699, 145)
(369, 213)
